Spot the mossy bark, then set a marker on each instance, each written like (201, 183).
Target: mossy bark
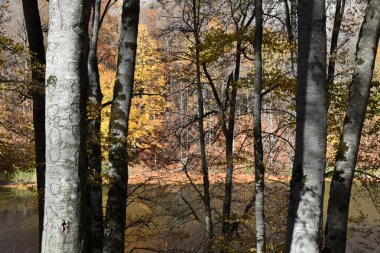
(340, 192)
(118, 145)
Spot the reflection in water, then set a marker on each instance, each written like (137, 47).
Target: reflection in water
(18, 221)
(159, 218)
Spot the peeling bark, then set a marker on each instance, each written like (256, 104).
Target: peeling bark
(340, 192)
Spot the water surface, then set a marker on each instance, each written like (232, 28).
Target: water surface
(158, 218)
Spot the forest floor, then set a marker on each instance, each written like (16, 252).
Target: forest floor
(144, 175)
(173, 175)
(176, 176)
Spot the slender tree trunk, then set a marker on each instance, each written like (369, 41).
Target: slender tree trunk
(120, 111)
(293, 18)
(290, 29)
(288, 22)
(202, 144)
(206, 182)
(229, 135)
(38, 60)
(339, 11)
(258, 141)
(307, 184)
(340, 192)
(65, 216)
(228, 185)
(181, 136)
(94, 152)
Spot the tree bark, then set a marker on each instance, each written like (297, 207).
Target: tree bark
(202, 144)
(206, 182)
(229, 135)
(228, 132)
(65, 216)
(258, 141)
(340, 192)
(38, 61)
(94, 152)
(228, 123)
(120, 111)
(307, 184)
(289, 16)
(339, 11)
(293, 18)
(288, 22)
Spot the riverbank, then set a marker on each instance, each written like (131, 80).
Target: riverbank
(172, 176)
(29, 185)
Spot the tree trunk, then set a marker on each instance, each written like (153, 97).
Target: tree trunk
(120, 110)
(293, 18)
(339, 11)
(288, 22)
(206, 183)
(202, 144)
(38, 60)
(307, 184)
(94, 152)
(289, 16)
(65, 216)
(339, 201)
(229, 135)
(258, 142)
(181, 136)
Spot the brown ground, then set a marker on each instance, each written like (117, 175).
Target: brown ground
(175, 176)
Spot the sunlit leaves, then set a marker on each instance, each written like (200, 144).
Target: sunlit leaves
(148, 103)
(216, 43)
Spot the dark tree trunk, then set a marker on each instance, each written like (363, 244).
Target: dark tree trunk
(66, 211)
(339, 11)
(290, 30)
(118, 147)
(340, 192)
(258, 141)
(229, 135)
(228, 123)
(288, 22)
(38, 61)
(307, 184)
(202, 144)
(293, 18)
(94, 153)
(206, 183)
